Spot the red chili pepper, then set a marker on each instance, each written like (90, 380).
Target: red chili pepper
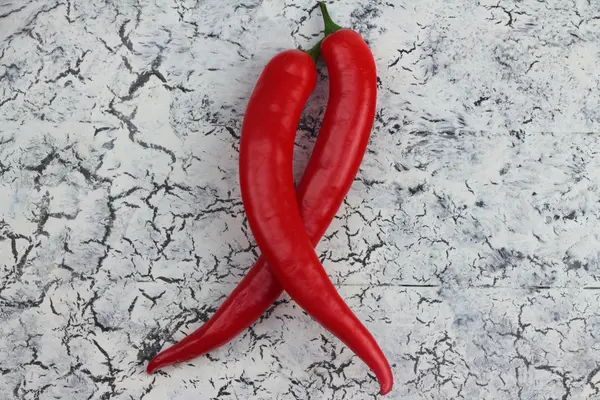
(259, 288)
(267, 187)
(333, 164)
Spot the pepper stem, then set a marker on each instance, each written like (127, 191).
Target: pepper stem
(315, 52)
(330, 26)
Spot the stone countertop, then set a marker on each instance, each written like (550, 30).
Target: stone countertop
(469, 243)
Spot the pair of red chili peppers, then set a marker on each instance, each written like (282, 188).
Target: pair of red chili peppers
(288, 223)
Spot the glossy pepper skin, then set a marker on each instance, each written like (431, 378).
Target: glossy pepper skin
(292, 74)
(335, 160)
(269, 197)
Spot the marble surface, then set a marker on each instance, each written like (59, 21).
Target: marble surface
(468, 243)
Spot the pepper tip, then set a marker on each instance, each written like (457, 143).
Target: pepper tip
(385, 388)
(150, 369)
(386, 381)
(154, 364)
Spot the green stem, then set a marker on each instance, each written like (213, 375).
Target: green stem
(330, 26)
(315, 52)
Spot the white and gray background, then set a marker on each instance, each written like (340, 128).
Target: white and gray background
(469, 243)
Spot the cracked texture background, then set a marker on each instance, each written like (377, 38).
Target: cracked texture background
(468, 243)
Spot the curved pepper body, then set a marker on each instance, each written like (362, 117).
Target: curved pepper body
(344, 133)
(291, 74)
